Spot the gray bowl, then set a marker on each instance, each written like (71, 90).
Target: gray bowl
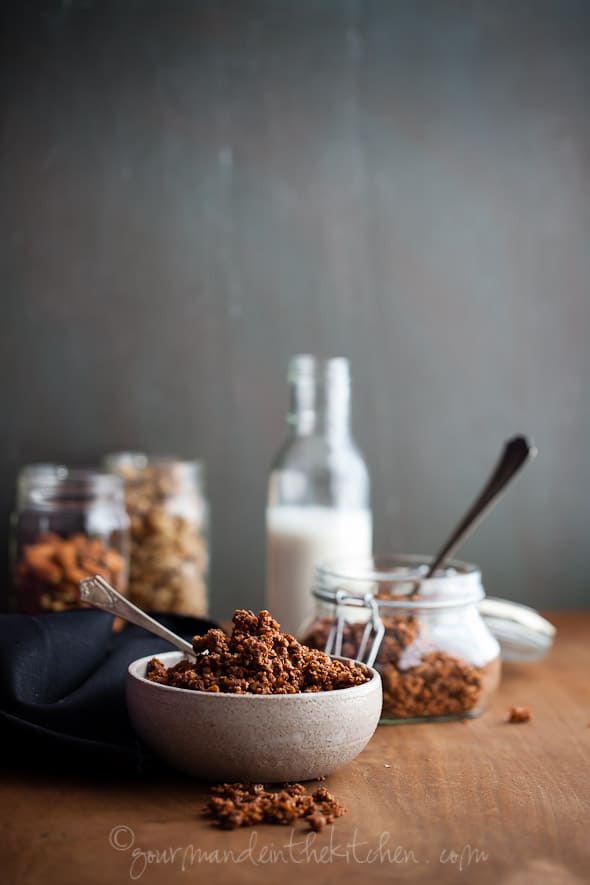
(251, 737)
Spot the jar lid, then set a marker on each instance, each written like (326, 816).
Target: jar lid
(397, 582)
(132, 466)
(45, 485)
(521, 631)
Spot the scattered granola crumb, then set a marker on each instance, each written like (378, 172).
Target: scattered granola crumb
(257, 659)
(317, 821)
(244, 805)
(519, 714)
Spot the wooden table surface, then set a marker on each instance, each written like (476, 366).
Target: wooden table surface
(483, 801)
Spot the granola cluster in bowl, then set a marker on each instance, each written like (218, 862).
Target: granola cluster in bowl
(257, 659)
(255, 707)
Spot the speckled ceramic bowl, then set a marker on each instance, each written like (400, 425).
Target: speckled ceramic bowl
(250, 737)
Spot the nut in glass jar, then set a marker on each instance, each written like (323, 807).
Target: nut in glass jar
(426, 637)
(68, 524)
(169, 517)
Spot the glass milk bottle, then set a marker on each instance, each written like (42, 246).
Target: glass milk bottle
(318, 493)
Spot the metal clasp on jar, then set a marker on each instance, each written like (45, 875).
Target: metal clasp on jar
(374, 626)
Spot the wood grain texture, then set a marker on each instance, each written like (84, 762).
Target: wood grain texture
(194, 191)
(483, 802)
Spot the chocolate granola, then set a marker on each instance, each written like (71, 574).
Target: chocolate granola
(257, 659)
(244, 805)
(434, 684)
(519, 715)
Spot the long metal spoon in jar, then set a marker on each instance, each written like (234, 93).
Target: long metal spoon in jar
(517, 452)
(522, 633)
(99, 593)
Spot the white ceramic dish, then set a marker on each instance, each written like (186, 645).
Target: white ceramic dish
(250, 737)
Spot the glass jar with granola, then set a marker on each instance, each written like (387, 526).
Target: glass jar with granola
(426, 637)
(169, 527)
(68, 524)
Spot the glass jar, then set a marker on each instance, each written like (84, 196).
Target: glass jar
(68, 524)
(169, 514)
(318, 503)
(426, 637)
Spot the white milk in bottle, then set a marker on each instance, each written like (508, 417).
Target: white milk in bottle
(298, 538)
(318, 494)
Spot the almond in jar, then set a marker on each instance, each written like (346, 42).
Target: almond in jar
(69, 524)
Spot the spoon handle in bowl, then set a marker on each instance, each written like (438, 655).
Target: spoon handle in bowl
(99, 593)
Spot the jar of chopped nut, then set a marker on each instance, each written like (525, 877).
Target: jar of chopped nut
(426, 637)
(169, 525)
(68, 524)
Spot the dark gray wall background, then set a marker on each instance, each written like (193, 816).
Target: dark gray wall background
(193, 191)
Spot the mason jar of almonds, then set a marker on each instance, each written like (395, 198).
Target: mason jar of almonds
(68, 524)
(169, 526)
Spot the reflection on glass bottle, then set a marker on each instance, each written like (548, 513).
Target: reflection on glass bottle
(319, 491)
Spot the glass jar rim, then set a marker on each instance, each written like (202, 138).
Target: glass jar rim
(462, 580)
(42, 468)
(193, 467)
(61, 480)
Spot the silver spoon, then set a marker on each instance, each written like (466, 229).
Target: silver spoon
(99, 593)
(517, 452)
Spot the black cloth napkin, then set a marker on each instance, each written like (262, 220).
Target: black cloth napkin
(62, 688)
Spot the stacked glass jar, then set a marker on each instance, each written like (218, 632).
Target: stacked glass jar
(169, 528)
(426, 637)
(68, 524)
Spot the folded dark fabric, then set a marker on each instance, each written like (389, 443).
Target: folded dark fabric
(62, 687)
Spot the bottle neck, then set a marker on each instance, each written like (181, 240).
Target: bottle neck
(320, 398)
